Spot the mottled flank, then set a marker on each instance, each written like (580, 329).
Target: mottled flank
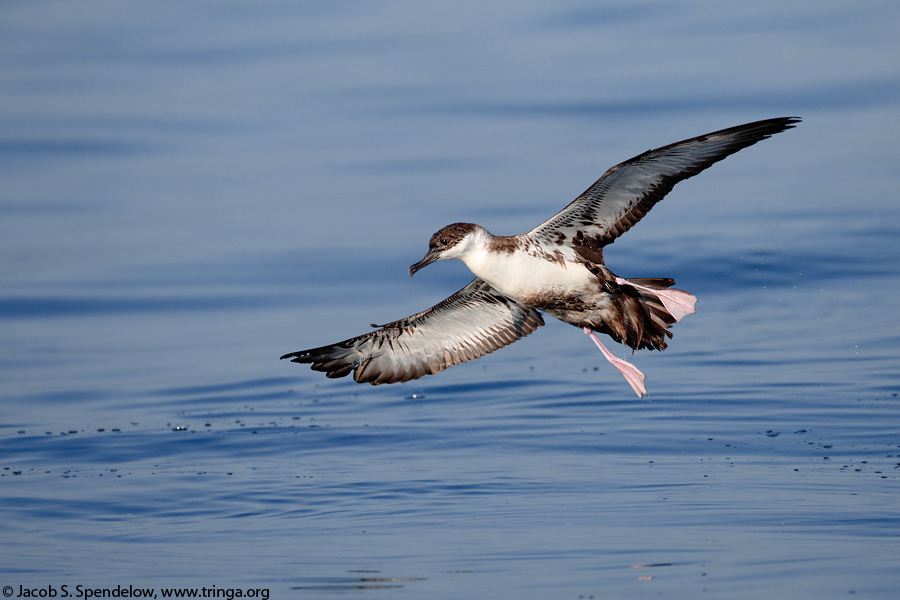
(513, 243)
(557, 267)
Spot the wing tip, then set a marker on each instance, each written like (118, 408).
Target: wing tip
(301, 356)
(764, 129)
(786, 122)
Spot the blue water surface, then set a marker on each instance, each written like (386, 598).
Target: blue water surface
(191, 190)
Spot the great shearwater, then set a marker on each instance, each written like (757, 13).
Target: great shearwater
(556, 268)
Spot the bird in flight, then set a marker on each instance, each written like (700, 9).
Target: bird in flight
(556, 268)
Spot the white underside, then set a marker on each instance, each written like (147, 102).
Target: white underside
(520, 275)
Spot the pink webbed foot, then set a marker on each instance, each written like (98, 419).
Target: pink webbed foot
(632, 374)
(678, 302)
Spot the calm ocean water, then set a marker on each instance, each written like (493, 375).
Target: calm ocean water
(191, 190)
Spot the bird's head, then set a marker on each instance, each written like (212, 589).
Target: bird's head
(453, 241)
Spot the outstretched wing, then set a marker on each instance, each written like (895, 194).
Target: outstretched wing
(472, 322)
(629, 190)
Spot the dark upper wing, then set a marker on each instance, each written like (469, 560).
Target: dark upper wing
(472, 322)
(629, 190)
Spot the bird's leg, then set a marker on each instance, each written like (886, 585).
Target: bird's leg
(632, 374)
(678, 302)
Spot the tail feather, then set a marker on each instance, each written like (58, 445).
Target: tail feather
(677, 303)
(646, 309)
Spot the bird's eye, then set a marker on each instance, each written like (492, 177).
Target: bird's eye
(444, 242)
